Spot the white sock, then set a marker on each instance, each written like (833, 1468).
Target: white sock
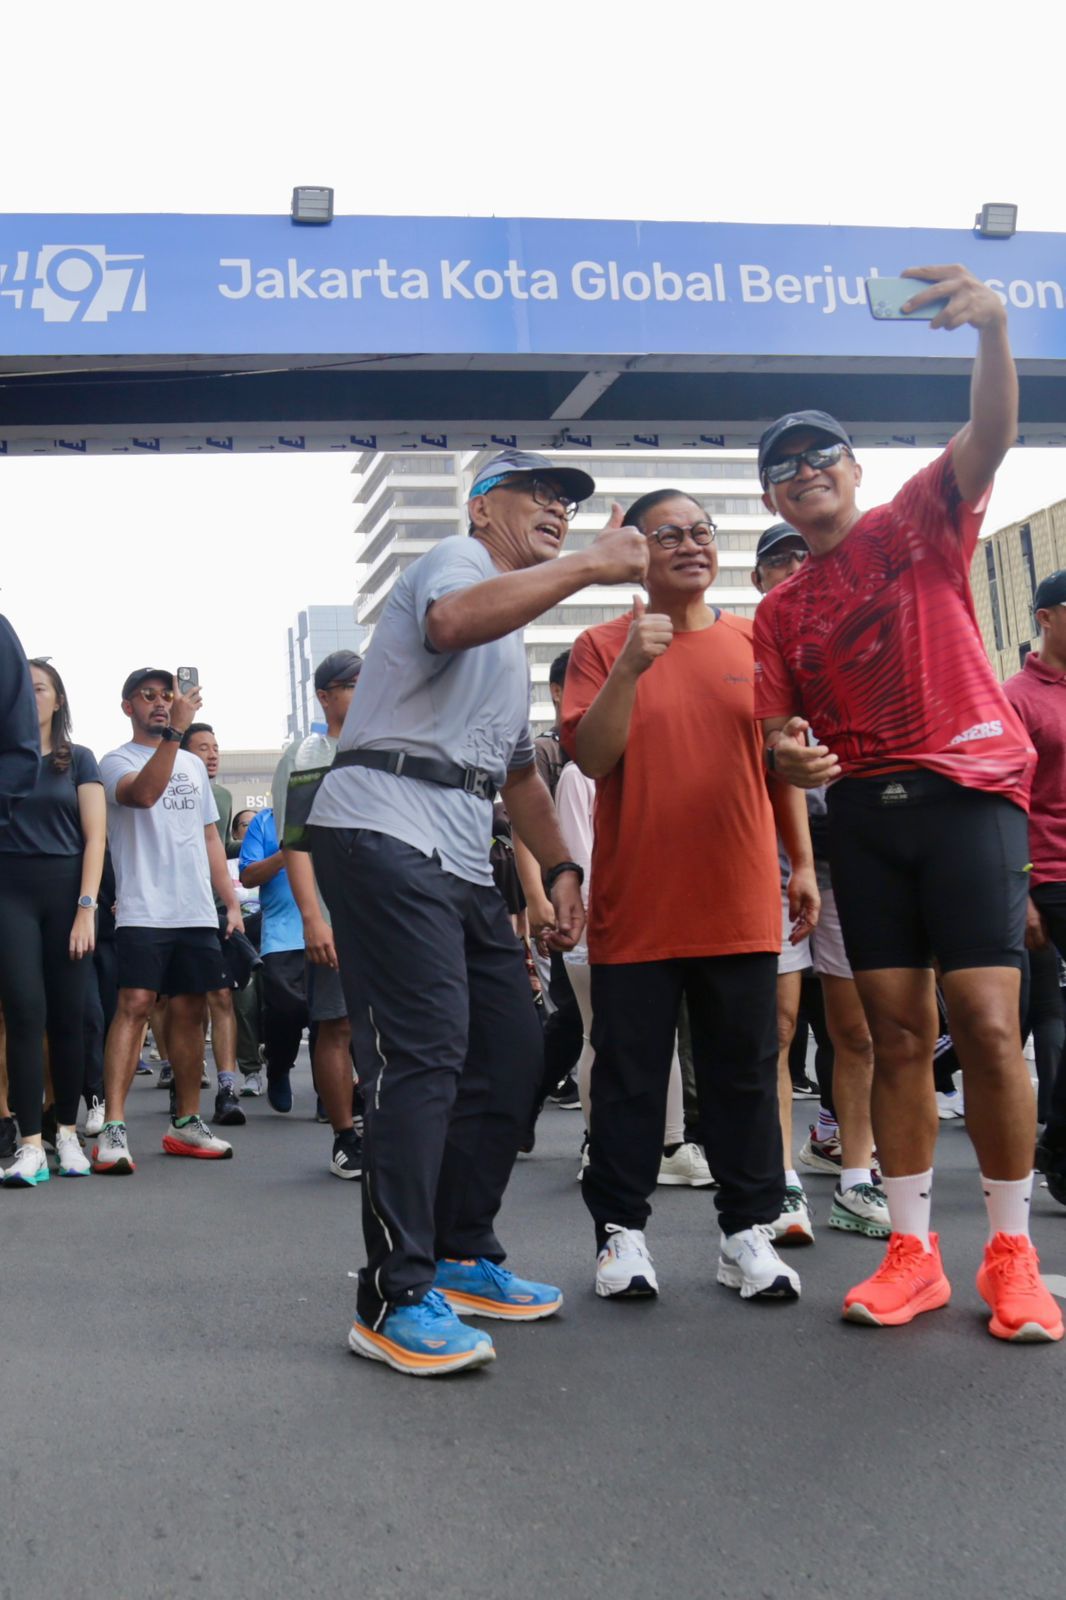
(909, 1202)
(1008, 1204)
(792, 1180)
(851, 1177)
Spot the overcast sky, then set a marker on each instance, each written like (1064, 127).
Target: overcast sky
(853, 114)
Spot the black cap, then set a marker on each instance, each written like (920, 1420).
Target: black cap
(571, 480)
(795, 422)
(1050, 591)
(140, 674)
(775, 536)
(343, 666)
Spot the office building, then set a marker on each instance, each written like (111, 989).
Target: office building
(1007, 566)
(405, 502)
(316, 633)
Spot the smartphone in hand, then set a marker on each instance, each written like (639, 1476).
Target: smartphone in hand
(188, 678)
(887, 295)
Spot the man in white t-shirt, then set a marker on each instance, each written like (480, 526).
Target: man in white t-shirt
(168, 858)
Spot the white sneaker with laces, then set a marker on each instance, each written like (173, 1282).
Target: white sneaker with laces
(794, 1225)
(949, 1107)
(861, 1209)
(194, 1138)
(71, 1160)
(687, 1165)
(748, 1261)
(94, 1118)
(623, 1266)
(111, 1152)
(29, 1168)
(252, 1085)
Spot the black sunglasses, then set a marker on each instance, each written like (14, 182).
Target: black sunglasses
(819, 455)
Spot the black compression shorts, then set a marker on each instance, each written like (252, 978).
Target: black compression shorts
(924, 868)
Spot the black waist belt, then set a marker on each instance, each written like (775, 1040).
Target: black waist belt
(475, 780)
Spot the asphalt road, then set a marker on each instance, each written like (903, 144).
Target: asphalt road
(181, 1415)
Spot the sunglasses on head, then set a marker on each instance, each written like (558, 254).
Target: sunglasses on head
(819, 455)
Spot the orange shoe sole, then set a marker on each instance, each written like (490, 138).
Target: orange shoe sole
(174, 1147)
(930, 1298)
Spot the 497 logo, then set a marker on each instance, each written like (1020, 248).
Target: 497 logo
(73, 282)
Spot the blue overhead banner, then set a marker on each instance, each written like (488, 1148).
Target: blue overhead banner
(236, 285)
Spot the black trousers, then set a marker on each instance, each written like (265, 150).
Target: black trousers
(1050, 898)
(450, 1052)
(564, 1032)
(732, 1004)
(42, 989)
(285, 1014)
(101, 1001)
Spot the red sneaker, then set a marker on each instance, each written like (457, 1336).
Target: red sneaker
(1009, 1281)
(909, 1280)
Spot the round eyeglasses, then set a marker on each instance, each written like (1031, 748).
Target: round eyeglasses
(671, 535)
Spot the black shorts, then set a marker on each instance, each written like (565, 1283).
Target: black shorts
(923, 868)
(169, 960)
(325, 997)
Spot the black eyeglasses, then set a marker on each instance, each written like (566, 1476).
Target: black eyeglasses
(669, 536)
(783, 558)
(544, 493)
(819, 455)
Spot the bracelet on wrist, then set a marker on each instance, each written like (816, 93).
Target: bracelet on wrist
(556, 872)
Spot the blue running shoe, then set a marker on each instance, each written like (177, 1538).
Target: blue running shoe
(484, 1289)
(425, 1340)
(279, 1092)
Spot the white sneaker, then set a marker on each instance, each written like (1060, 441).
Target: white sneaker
(194, 1138)
(71, 1160)
(111, 1152)
(252, 1085)
(794, 1225)
(748, 1261)
(29, 1168)
(688, 1166)
(861, 1209)
(94, 1118)
(949, 1107)
(623, 1266)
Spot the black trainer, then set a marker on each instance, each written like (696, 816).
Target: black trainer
(565, 1095)
(228, 1109)
(347, 1159)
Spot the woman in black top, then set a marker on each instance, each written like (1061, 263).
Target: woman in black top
(51, 856)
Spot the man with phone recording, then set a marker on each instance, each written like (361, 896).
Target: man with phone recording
(168, 858)
(874, 641)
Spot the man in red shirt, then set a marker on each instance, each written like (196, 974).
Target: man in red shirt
(684, 901)
(1038, 695)
(875, 642)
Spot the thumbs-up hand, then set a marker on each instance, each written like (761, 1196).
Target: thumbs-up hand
(619, 553)
(649, 637)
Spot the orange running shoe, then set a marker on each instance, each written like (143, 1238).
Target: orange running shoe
(1009, 1281)
(909, 1280)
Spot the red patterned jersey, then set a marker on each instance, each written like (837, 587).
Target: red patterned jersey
(876, 644)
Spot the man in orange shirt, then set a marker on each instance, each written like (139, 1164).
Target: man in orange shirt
(685, 903)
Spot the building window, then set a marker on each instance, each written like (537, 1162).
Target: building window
(1025, 539)
(993, 594)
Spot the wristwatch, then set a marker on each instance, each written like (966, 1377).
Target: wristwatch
(173, 735)
(86, 902)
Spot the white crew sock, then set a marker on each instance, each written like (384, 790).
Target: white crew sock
(792, 1179)
(909, 1202)
(851, 1177)
(1008, 1204)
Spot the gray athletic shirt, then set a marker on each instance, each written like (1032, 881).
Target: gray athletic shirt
(469, 706)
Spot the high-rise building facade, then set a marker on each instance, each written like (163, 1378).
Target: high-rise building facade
(1007, 566)
(316, 633)
(406, 502)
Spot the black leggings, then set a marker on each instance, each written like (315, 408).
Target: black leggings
(42, 989)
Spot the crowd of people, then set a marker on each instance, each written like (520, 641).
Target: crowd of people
(835, 817)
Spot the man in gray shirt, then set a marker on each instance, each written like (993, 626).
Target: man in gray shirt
(442, 1016)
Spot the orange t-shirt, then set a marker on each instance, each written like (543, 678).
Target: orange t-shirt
(684, 861)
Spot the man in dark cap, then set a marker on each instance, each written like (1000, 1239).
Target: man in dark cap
(1038, 695)
(335, 680)
(443, 1021)
(875, 643)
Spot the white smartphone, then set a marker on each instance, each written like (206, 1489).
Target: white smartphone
(886, 297)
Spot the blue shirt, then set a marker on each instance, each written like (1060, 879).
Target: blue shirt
(283, 927)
